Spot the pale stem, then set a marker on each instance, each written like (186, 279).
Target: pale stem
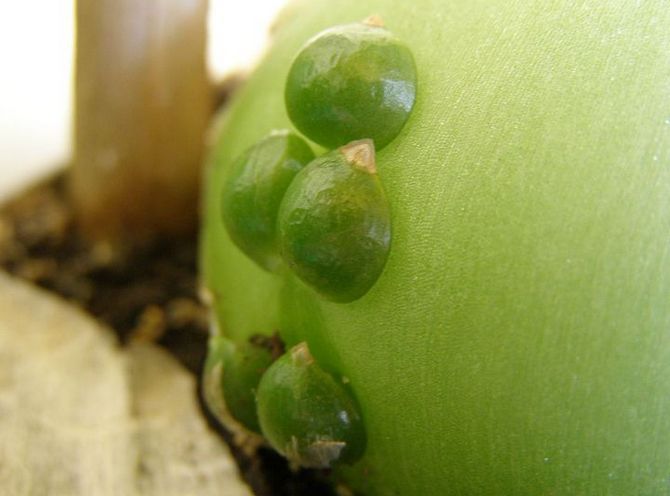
(142, 103)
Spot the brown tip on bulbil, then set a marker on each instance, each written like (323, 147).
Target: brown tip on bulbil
(205, 295)
(300, 354)
(322, 454)
(361, 154)
(374, 21)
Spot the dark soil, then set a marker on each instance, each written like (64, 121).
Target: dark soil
(147, 292)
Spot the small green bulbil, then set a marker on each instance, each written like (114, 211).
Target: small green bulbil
(254, 189)
(217, 348)
(243, 366)
(351, 82)
(231, 376)
(306, 414)
(335, 223)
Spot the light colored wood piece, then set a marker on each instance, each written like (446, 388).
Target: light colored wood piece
(79, 416)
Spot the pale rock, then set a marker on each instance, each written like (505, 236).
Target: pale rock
(81, 416)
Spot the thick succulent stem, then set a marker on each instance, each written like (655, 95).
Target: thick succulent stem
(141, 108)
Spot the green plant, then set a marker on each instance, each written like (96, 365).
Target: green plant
(243, 368)
(352, 82)
(231, 376)
(306, 414)
(516, 341)
(256, 186)
(335, 223)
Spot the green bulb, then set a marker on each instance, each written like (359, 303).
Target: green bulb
(253, 192)
(351, 82)
(243, 366)
(306, 414)
(231, 376)
(335, 223)
(217, 348)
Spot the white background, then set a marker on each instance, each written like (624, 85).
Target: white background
(36, 53)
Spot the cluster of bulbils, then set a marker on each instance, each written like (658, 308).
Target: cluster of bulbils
(351, 88)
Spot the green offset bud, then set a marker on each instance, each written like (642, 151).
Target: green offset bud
(306, 414)
(231, 375)
(254, 189)
(217, 348)
(243, 366)
(335, 223)
(352, 82)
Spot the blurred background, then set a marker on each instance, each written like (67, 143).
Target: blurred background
(36, 54)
